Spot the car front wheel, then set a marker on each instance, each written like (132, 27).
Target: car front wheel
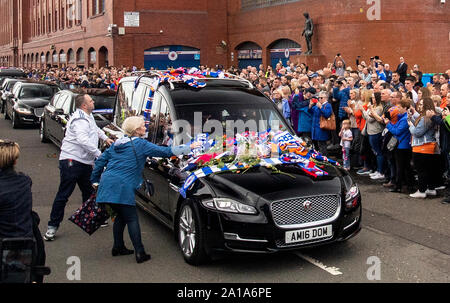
(191, 239)
(15, 120)
(6, 113)
(42, 132)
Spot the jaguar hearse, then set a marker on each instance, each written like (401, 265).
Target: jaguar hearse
(259, 211)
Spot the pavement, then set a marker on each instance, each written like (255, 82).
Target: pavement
(408, 238)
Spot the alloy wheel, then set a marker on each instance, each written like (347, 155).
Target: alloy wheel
(187, 232)
(42, 132)
(13, 119)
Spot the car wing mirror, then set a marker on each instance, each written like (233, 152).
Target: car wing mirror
(58, 112)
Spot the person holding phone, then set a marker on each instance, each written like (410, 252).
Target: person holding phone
(339, 65)
(320, 108)
(400, 130)
(425, 148)
(374, 128)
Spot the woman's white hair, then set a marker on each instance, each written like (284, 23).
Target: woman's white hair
(130, 124)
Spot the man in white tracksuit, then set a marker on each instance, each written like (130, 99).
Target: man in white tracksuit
(78, 153)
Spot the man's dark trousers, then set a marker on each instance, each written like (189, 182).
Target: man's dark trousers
(71, 173)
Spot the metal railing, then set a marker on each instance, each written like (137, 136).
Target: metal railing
(255, 4)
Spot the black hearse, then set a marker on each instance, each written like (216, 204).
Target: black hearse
(258, 211)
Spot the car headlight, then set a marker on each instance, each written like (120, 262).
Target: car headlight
(229, 205)
(351, 198)
(23, 110)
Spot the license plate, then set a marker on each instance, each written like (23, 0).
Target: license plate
(301, 235)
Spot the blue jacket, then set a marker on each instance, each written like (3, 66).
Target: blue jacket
(304, 114)
(286, 109)
(342, 97)
(317, 133)
(400, 130)
(123, 174)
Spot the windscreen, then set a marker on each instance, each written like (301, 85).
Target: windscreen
(40, 91)
(232, 118)
(103, 103)
(10, 85)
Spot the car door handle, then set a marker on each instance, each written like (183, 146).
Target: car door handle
(174, 187)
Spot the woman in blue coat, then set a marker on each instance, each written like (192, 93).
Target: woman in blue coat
(124, 162)
(320, 109)
(304, 112)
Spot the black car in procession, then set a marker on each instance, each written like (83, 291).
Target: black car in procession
(6, 90)
(27, 101)
(258, 211)
(57, 113)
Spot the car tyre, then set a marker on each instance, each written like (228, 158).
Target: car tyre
(6, 114)
(43, 133)
(191, 234)
(15, 121)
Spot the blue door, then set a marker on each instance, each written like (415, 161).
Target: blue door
(249, 54)
(175, 56)
(282, 50)
(283, 55)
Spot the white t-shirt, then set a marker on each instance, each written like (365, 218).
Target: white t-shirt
(346, 134)
(415, 96)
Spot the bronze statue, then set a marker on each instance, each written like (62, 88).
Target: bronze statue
(308, 32)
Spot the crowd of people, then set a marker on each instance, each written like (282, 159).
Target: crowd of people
(384, 123)
(388, 125)
(80, 77)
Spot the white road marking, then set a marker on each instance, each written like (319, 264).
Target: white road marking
(332, 270)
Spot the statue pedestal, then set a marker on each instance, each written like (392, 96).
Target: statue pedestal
(313, 61)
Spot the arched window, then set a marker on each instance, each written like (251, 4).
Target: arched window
(80, 56)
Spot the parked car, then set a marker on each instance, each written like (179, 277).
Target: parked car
(258, 211)
(6, 90)
(27, 101)
(57, 113)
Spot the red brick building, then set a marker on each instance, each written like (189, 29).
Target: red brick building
(38, 33)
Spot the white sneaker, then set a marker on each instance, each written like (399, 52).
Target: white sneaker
(430, 192)
(373, 174)
(50, 234)
(378, 176)
(441, 187)
(418, 194)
